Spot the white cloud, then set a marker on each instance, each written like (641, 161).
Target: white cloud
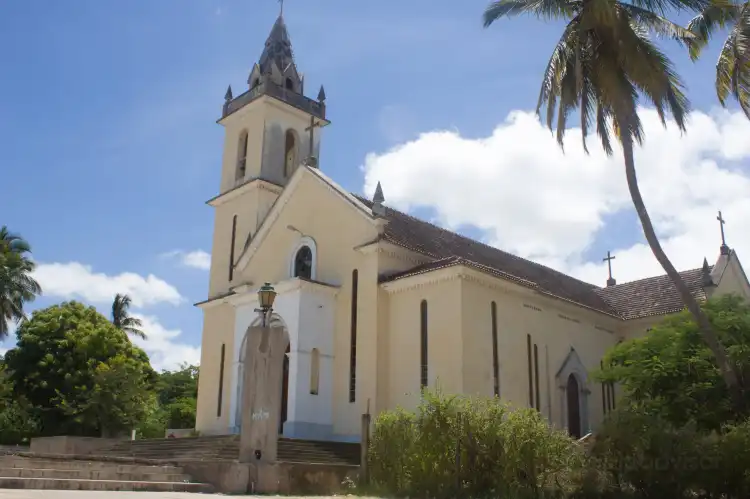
(75, 280)
(535, 201)
(163, 346)
(197, 259)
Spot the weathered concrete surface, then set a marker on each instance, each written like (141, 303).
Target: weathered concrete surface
(263, 367)
(70, 445)
(82, 494)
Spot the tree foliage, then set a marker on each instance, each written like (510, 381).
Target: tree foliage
(672, 373)
(122, 319)
(17, 287)
(733, 65)
(79, 373)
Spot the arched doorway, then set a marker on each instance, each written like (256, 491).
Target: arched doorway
(284, 391)
(574, 407)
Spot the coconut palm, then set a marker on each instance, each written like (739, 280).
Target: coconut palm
(17, 287)
(122, 319)
(602, 65)
(733, 66)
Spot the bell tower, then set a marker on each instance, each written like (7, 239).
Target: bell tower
(270, 129)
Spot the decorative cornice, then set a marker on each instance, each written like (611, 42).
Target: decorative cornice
(422, 280)
(244, 188)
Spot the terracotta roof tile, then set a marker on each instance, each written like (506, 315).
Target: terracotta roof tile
(651, 296)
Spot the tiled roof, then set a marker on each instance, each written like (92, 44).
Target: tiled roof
(646, 297)
(653, 295)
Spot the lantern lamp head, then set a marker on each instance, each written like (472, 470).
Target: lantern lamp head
(266, 296)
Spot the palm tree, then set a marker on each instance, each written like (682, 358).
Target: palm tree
(122, 319)
(17, 287)
(733, 66)
(603, 62)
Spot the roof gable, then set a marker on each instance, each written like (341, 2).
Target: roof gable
(278, 206)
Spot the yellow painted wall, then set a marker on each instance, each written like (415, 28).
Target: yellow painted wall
(218, 329)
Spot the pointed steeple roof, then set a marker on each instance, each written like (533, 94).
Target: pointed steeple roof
(278, 48)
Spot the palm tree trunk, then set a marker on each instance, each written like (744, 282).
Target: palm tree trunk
(704, 325)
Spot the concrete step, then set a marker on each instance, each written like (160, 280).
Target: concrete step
(101, 485)
(81, 464)
(91, 474)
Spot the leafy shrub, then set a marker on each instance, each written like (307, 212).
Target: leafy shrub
(456, 445)
(644, 455)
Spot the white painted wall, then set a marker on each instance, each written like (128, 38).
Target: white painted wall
(308, 314)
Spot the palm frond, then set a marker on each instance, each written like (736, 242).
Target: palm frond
(718, 15)
(546, 9)
(663, 6)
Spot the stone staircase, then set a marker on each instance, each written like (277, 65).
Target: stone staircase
(226, 447)
(36, 471)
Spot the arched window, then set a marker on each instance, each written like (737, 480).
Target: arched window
(495, 359)
(314, 371)
(241, 156)
(574, 407)
(289, 84)
(290, 153)
(256, 82)
(423, 368)
(303, 262)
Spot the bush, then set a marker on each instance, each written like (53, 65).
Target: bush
(644, 455)
(455, 445)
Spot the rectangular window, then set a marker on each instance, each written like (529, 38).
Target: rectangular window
(423, 368)
(231, 248)
(221, 381)
(353, 347)
(531, 372)
(536, 377)
(604, 391)
(495, 360)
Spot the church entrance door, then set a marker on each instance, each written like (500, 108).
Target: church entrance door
(574, 407)
(284, 391)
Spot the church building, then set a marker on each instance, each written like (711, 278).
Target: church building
(379, 304)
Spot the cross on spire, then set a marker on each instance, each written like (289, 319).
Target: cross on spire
(311, 129)
(724, 248)
(281, 7)
(610, 257)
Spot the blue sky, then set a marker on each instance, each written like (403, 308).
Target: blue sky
(108, 141)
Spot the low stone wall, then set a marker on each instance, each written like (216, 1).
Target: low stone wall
(69, 445)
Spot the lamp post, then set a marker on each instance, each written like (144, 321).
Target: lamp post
(266, 296)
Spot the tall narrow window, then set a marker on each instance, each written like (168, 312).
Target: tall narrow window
(423, 367)
(353, 347)
(221, 381)
(290, 153)
(495, 360)
(531, 372)
(314, 371)
(612, 395)
(231, 247)
(536, 377)
(604, 391)
(241, 157)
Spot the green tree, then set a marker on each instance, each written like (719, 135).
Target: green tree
(17, 287)
(671, 373)
(178, 394)
(16, 424)
(602, 65)
(122, 319)
(67, 358)
(733, 66)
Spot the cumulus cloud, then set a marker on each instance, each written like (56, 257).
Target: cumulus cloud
(197, 259)
(74, 280)
(530, 198)
(163, 346)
